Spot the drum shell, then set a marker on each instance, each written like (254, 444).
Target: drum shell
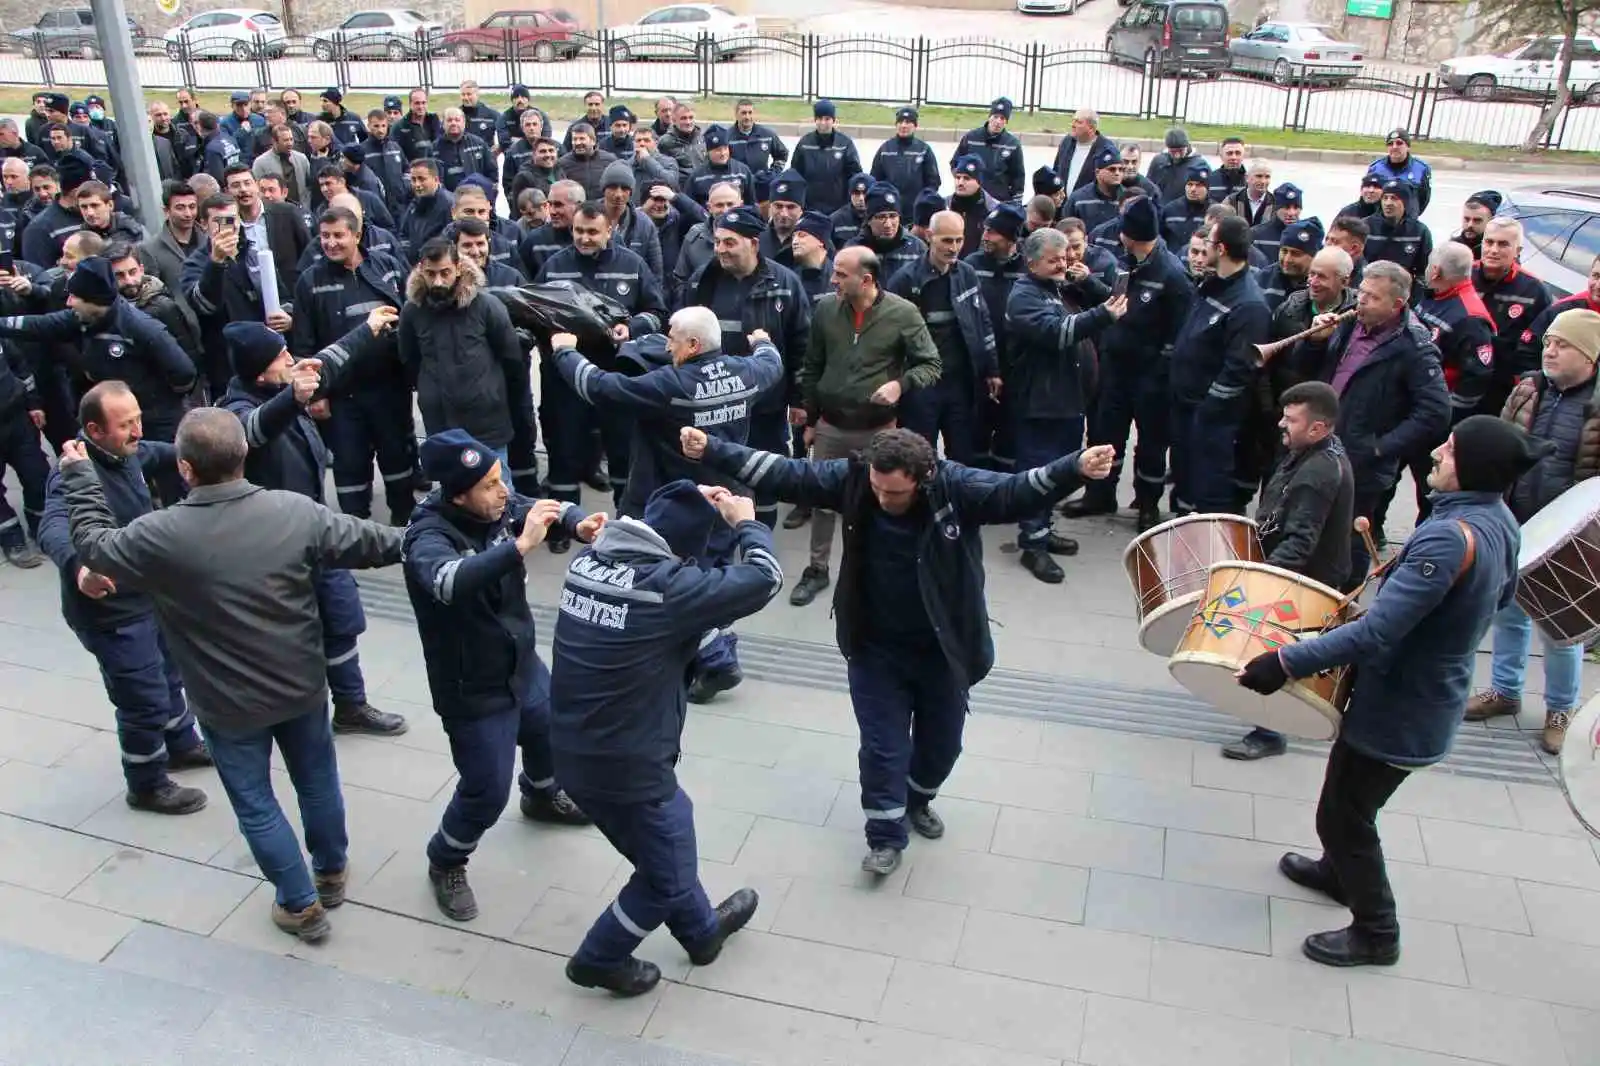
(1167, 567)
(1560, 590)
(1580, 766)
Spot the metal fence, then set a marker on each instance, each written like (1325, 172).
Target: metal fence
(1037, 77)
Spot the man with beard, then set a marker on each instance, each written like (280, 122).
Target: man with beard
(629, 226)
(420, 127)
(618, 136)
(1297, 244)
(699, 245)
(287, 164)
(460, 152)
(538, 170)
(1327, 292)
(1516, 300)
(584, 163)
(1230, 176)
(387, 161)
(828, 160)
(1096, 203)
(1398, 235)
(149, 295)
(1475, 215)
(998, 264)
(969, 200)
(594, 116)
(905, 160)
(1198, 256)
(885, 235)
(998, 152)
(1181, 219)
(289, 100)
(788, 203)
(429, 211)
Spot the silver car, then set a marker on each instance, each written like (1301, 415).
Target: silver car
(1296, 52)
(1561, 232)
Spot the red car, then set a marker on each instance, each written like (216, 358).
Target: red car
(545, 34)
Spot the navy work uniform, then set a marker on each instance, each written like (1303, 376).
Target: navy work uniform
(20, 450)
(155, 727)
(828, 162)
(1516, 300)
(759, 147)
(909, 613)
(633, 608)
(907, 163)
(621, 275)
(468, 586)
(996, 276)
(958, 322)
(1004, 176)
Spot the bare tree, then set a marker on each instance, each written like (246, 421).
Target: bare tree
(1502, 20)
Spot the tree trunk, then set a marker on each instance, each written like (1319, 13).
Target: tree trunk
(1563, 96)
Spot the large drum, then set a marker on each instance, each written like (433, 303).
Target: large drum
(1559, 566)
(1580, 765)
(1167, 566)
(1249, 608)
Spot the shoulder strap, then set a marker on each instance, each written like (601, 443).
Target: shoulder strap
(1469, 556)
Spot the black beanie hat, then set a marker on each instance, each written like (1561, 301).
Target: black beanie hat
(252, 347)
(94, 282)
(1491, 453)
(683, 516)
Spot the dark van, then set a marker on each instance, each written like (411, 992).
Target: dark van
(1178, 36)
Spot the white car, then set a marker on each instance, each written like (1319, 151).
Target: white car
(1527, 68)
(676, 32)
(387, 33)
(226, 33)
(1047, 7)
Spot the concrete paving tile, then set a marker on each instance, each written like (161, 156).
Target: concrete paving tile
(36, 739)
(1125, 1032)
(1580, 1035)
(877, 1044)
(833, 754)
(1199, 810)
(579, 860)
(1318, 1049)
(1094, 960)
(1535, 967)
(1289, 776)
(196, 836)
(799, 973)
(57, 796)
(1438, 794)
(969, 824)
(1075, 841)
(374, 763)
(1103, 751)
(1455, 1021)
(46, 859)
(46, 644)
(999, 883)
(1541, 809)
(1429, 951)
(558, 922)
(719, 834)
(999, 736)
(1014, 784)
(1174, 910)
(1458, 897)
(382, 818)
(253, 1032)
(748, 1030)
(56, 696)
(363, 860)
(184, 895)
(524, 979)
(505, 896)
(789, 849)
(592, 1048)
(1563, 914)
(795, 797)
(1228, 862)
(1511, 853)
(1000, 1012)
(387, 947)
(58, 926)
(1293, 823)
(786, 705)
(718, 736)
(889, 924)
(1249, 986)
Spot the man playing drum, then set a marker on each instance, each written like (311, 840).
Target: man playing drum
(1305, 514)
(1414, 653)
(1551, 404)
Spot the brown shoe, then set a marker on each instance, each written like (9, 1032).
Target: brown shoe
(1490, 704)
(310, 925)
(1555, 730)
(330, 888)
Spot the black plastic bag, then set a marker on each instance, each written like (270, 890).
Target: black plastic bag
(562, 307)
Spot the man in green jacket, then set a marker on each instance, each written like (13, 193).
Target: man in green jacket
(868, 349)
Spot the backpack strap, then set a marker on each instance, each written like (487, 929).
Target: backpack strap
(1468, 557)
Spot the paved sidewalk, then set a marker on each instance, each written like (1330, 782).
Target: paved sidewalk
(1103, 896)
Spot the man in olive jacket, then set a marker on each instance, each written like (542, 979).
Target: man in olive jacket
(231, 573)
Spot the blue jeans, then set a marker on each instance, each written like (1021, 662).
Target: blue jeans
(243, 761)
(1563, 667)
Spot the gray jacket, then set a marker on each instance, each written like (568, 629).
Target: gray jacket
(230, 570)
(163, 257)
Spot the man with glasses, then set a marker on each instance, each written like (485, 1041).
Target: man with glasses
(1400, 164)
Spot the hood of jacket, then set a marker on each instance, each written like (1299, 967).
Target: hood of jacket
(629, 538)
(469, 280)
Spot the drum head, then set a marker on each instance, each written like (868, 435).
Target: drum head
(1163, 628)
(1172, 523)
(1580, 766)
(1558, 520)
(1289, 710)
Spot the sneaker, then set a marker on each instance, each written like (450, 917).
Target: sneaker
(926, 822)
(330, 887)
(452, 893)
(168, 797)
(1555, 730)
(708, 684)
(553, 806)
(733, 914)
(1038, 563)
(797, 518)
(812, 581)
(309, 925)
(23, 556)
(881, 861)
(634, 977)
(1256, 744)
(1059, 545)
(365, 718)
(1491, 704)
(196, 758)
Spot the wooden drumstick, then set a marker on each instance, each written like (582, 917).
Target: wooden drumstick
(1364, 527)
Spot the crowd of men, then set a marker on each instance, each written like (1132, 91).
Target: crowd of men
(318, 277)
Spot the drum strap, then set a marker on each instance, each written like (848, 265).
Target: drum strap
(1469, 556)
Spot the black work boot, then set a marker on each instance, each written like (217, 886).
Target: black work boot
(708, 683)
(733, 914)
(1256, 744)
(1352, 946)
(926, 822)
(196, 758)
(452, 893)
(797, 518)
(1149, 516)
(634, 977)
(881, 862)
(1037, 562)
(1086, 506)
(812, 581)
(554, 806)
(168, 797)
(363, 717)
(22, 555)
(1309, 873)
(1056, 544)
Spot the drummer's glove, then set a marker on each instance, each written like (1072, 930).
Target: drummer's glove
(1264, 674)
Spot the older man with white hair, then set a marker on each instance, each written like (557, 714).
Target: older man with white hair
(1078, 147)
(461, 153)
(1516, 300)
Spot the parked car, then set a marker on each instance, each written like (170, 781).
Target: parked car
(1289, 52)
(678, 32)
(226, 33)
(388, 33)
(66, 32)
(1046, 7)
(1527, 69)
(1561, 232)
(1178, 36)
(543, 34)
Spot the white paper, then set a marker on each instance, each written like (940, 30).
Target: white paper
(268, 274)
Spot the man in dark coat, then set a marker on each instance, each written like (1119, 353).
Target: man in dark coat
(828, 160)
(1078, 147)
(465, 576)
(1516, 301)
(905, 160)
(1004, 176)
(1399, 236)
(1400, 164)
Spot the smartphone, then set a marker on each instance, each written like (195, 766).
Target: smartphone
(1120, 286)
(8, 262)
